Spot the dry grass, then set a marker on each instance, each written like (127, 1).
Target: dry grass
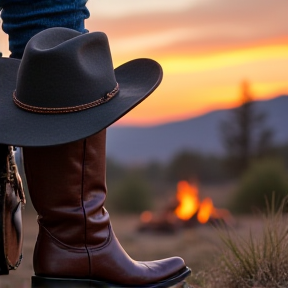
(258, 260)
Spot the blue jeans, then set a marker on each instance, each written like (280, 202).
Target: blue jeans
(23, 19)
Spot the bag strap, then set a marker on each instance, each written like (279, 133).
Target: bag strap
(13, 176)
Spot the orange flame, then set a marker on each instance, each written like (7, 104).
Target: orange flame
(205, 210)
(190, 204)
(187, 195)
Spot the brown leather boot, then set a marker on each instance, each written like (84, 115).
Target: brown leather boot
(67, 185)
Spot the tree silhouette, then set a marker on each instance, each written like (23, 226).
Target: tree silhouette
(245, 134)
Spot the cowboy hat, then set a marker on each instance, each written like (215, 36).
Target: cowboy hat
(65, 88)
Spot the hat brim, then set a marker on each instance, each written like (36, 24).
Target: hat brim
(137, 79)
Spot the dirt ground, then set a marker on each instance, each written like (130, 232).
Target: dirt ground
(198, 245)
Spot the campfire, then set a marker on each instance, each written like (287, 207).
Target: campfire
(185, 210)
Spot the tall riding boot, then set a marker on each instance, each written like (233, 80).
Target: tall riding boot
(67, 185)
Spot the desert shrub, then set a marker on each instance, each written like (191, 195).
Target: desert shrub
(132, 195)
(258, 183)
(258, 260)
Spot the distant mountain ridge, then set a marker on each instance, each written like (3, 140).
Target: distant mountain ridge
(129, 144)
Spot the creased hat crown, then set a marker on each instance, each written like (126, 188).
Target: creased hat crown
(65, 68)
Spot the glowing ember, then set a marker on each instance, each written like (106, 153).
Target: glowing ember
(221, 213)
(187, 195)
(146, 216)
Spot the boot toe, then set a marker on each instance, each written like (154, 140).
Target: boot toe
(164, 268)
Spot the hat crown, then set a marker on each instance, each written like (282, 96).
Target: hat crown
(64, 68)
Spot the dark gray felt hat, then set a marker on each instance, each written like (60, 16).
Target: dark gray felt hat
(65, 88)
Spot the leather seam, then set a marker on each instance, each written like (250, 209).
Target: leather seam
(83, 202)
(106, 243)
(84, 250)
(58, 242)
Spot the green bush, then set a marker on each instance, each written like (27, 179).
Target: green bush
(132, 195)
(258, 184)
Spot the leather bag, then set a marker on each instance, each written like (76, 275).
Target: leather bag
(12, 199)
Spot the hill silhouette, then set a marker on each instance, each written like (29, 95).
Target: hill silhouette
(131, 144)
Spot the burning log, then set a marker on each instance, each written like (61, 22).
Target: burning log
(187, 210)
(165, 222)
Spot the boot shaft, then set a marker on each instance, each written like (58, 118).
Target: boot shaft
(67, 186)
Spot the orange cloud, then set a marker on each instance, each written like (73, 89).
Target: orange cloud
(206, 51)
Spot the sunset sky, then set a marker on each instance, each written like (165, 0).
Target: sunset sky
(206, 48)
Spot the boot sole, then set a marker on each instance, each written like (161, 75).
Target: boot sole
(47, 282)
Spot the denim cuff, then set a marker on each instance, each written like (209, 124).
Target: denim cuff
(23, 19)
